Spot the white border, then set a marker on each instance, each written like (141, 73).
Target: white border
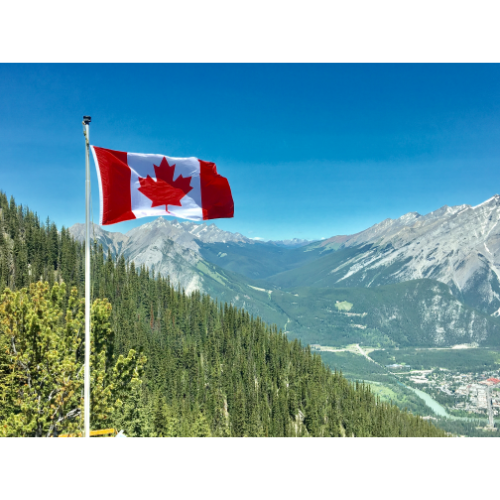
(258, 31)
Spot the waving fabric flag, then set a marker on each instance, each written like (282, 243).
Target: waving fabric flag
(133, 185)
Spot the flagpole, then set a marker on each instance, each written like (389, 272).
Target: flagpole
(86, 121)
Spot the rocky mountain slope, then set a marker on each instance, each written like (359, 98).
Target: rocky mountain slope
(170, 248)
(458, 246)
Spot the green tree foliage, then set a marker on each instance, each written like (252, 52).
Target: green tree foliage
(41, 363)
(212, 369)
(40, 384)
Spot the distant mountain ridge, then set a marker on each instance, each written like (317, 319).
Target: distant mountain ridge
(293, 243)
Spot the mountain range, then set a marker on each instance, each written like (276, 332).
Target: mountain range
(458, 246)
(416, 280)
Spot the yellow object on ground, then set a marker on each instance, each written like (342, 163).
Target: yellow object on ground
(98, 433)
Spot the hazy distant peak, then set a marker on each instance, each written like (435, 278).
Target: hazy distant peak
(292, 243)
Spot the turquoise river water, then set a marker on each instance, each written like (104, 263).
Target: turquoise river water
(439, 409)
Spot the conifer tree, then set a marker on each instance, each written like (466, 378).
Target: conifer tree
(41, 363)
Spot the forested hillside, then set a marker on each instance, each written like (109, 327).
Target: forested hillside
(207, 369)
(413, 313)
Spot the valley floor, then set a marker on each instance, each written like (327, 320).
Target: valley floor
(458, 388)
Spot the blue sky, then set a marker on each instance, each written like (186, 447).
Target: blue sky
(310, 151)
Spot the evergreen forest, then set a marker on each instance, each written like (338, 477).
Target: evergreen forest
(163, 363)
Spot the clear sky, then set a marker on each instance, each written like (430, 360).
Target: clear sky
(310, 151)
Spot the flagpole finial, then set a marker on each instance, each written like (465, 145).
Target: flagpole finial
(87, 119)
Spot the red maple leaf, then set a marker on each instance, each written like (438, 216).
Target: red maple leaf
(165, 191)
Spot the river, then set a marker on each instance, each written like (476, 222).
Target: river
(438, 409)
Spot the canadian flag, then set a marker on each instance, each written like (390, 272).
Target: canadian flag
(133, 185)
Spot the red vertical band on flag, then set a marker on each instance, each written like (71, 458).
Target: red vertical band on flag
(114, 172)
(216, 199)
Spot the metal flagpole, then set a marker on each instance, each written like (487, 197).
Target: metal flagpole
(86, 393)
